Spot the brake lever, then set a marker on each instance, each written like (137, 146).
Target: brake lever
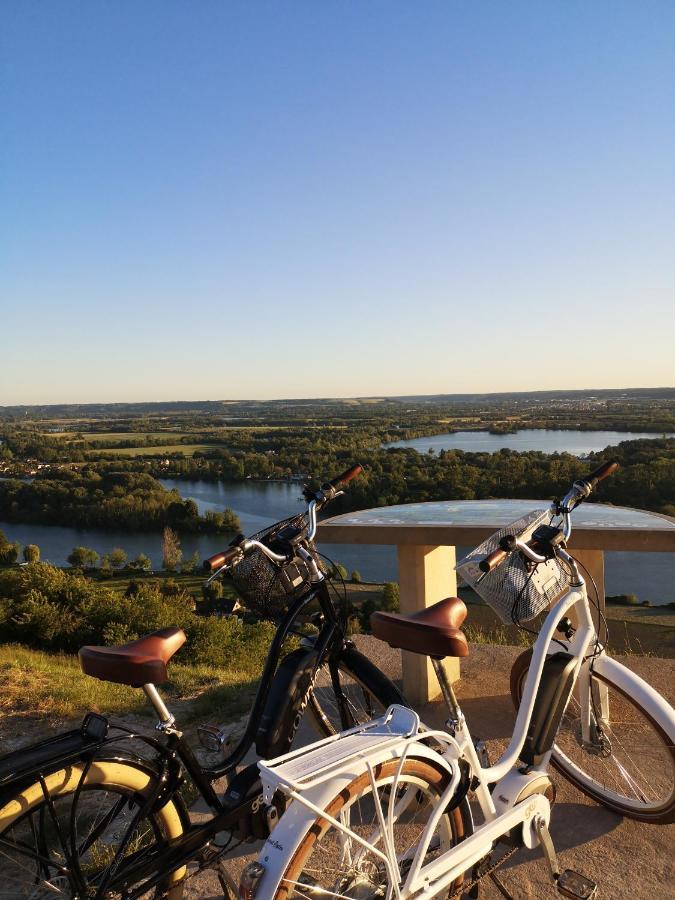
(215, 574)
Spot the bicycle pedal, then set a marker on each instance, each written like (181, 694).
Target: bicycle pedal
(572, 884)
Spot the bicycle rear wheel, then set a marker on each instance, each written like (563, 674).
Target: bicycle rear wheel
(629, 764)
(330, 863)
(367, 693)
(62, 843)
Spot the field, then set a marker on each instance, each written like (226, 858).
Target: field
(116, 436)
(187, 449)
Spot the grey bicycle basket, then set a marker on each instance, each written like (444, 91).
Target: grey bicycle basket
(517, 590)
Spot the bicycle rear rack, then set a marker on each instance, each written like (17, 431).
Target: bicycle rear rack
(309, 766)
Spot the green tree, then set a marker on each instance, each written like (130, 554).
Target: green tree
(9, 553)
(118, 558)
(189, 565)
(142, 563)
(366, 610)
(106, 568)
(356, 577)
(31, 553)
(82, 558)
(171, 551)
(391, 597)
(339, 572)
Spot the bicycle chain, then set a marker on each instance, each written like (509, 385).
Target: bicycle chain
(465, 888)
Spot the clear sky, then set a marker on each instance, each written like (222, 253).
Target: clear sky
(299, 199)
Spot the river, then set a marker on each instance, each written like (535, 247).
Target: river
(580, 443)
(648, 575)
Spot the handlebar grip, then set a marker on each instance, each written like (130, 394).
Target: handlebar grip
(220, 559)
(492, 560)
(603, 471)
(346, 476)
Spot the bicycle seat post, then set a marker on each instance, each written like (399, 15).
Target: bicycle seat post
(166, 718)
(448, 693)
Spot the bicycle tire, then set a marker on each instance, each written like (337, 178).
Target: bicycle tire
(368, 690)
(27, 816)
(325, 855)
(602, 775)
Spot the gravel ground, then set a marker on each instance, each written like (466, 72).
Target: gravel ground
(627, 859)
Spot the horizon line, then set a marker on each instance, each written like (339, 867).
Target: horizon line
(326, 399)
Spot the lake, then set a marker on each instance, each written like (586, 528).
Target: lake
(258, 504)
(580, 443)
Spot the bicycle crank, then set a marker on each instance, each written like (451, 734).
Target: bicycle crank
(569, 882)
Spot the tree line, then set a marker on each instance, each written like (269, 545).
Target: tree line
(100, 497)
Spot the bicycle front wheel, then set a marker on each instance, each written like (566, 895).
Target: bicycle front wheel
(59, 837)
(330, 862)
(366, 693)
(628, 765)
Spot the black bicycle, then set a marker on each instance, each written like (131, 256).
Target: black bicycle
(101, 811)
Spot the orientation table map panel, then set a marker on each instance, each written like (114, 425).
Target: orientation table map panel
(499, 513)
(595, 525)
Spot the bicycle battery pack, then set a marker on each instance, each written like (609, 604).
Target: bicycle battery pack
(553, 694)
(286, 702)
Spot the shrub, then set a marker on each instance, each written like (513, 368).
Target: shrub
(82, 558)
(50, 609)
(188, 566)
(142, 563)
(31, 553)
(391, 597)
(9, 553)
(213, 591)
(356, 577)
(118, 558)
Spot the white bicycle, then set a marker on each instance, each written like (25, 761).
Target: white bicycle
(382, 810)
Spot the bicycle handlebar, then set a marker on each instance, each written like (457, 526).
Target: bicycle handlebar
(492, 560)
(220, 559)
(346, 476)
(602, 472)
(225, 558)
(579, 491)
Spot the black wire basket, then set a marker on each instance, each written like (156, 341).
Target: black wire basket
(264, 587)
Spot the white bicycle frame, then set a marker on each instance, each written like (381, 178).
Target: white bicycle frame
(314, 775)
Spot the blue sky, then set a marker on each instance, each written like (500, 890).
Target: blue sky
(301, 199)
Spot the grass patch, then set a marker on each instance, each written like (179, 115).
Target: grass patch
(186, 449)
(475, 634)
(114, 436)
(48, 686)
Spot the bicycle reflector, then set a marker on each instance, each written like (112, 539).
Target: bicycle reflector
(250, 877)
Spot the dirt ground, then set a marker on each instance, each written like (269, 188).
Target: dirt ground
(627, 859)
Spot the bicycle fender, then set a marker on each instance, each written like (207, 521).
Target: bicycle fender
(643, 694)
(289, 833)
(286, 703)
(46, 756)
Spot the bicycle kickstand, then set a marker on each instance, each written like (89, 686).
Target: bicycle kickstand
(569, 882)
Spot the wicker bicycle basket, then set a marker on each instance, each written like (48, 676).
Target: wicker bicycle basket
(517, 590)
(264, 587)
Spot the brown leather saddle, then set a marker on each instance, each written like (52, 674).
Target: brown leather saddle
(137, 663)
(433, 631)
